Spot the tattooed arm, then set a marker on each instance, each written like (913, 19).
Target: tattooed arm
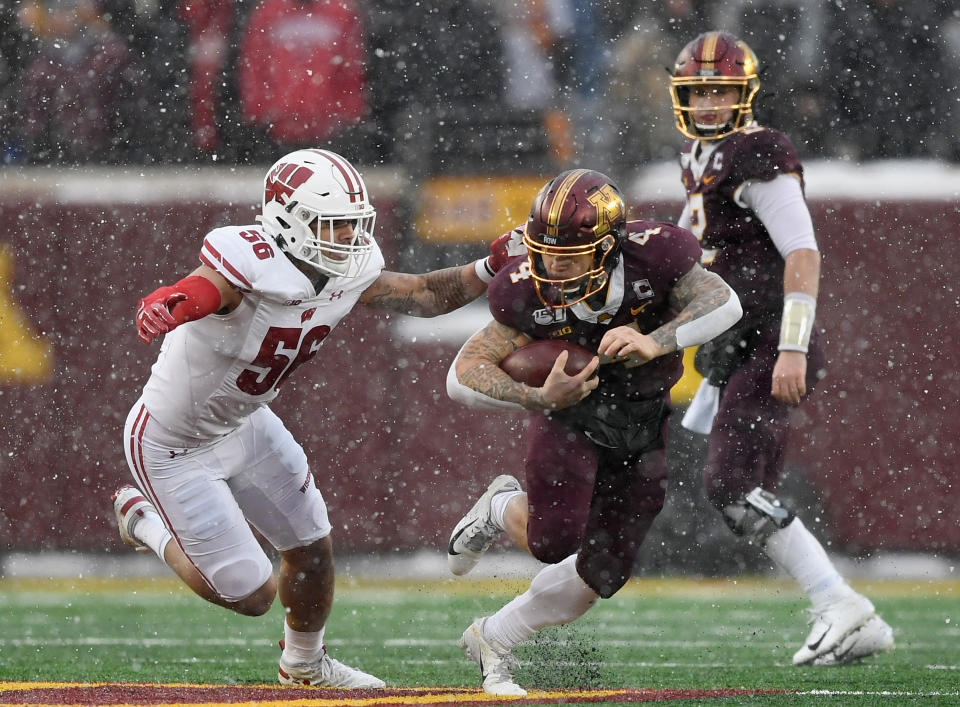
(707, 307)
(427, 295)
(477, 380)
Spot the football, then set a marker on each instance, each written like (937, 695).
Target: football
(531, 364)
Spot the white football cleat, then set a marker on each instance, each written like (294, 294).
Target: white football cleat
(873, 637)
(496, 664)
(844, 631)
(129, 505)
(475, 532)
(326, 672)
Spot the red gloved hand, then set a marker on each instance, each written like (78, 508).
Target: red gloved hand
(158, 312)
(507, 246)
(153, 313)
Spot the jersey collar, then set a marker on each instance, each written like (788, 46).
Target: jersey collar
(583, 311)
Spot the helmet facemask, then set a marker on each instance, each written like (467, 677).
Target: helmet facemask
(559, 292)
(741, 110)
(318, 246)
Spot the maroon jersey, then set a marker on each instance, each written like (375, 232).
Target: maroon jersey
(654, 257)
(735, 243)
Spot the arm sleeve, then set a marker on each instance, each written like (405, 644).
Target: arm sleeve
(472, 398)
(203, 298)
(703, 329)
(780, 206)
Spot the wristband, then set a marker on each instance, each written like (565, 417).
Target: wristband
(796, 324)
(482, 267)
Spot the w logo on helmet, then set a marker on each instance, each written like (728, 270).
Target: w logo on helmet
(283, 180)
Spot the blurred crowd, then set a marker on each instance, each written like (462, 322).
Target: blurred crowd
(468, 86)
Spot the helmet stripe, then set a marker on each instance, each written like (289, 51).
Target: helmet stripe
(709, 52)
(354, 183)
(556, 206)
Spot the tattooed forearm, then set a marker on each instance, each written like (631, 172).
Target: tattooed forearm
(426, 295)
(451, 288)
(697, 293)
(478, 366)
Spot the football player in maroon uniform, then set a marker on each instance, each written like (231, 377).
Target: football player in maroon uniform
(745, 203)
(634, 293)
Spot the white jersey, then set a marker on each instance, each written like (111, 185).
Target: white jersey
(213, 372)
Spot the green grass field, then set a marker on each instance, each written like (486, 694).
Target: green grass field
(655, 634)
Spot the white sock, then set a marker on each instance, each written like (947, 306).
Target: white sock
(301, 646)
(498, 506)
(557, 595)
(150, 530)
(802, 556)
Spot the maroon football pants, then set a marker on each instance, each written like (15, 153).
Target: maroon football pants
(749, 434)
(583, 499)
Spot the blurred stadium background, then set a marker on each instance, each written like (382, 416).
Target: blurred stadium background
(455, 135)
(873, 463)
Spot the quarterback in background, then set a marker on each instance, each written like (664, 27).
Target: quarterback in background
(209, 457)
(633, 293)
(745, 203)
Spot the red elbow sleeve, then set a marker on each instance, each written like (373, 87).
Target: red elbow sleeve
(203, 298)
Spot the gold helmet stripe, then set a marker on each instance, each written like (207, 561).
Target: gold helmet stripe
(709, 53)
(556, 206)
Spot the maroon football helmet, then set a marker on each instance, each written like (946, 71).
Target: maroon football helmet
(714, 60)
(578, 212)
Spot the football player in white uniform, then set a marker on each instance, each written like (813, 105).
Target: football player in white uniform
(209, 457)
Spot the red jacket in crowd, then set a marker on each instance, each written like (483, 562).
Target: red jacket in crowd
(302, 75)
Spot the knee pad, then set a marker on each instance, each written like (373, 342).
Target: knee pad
(757, 515)
(238, 580)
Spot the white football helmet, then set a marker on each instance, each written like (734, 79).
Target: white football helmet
(304, 194)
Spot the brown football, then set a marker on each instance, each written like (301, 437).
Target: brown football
(531, 364)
